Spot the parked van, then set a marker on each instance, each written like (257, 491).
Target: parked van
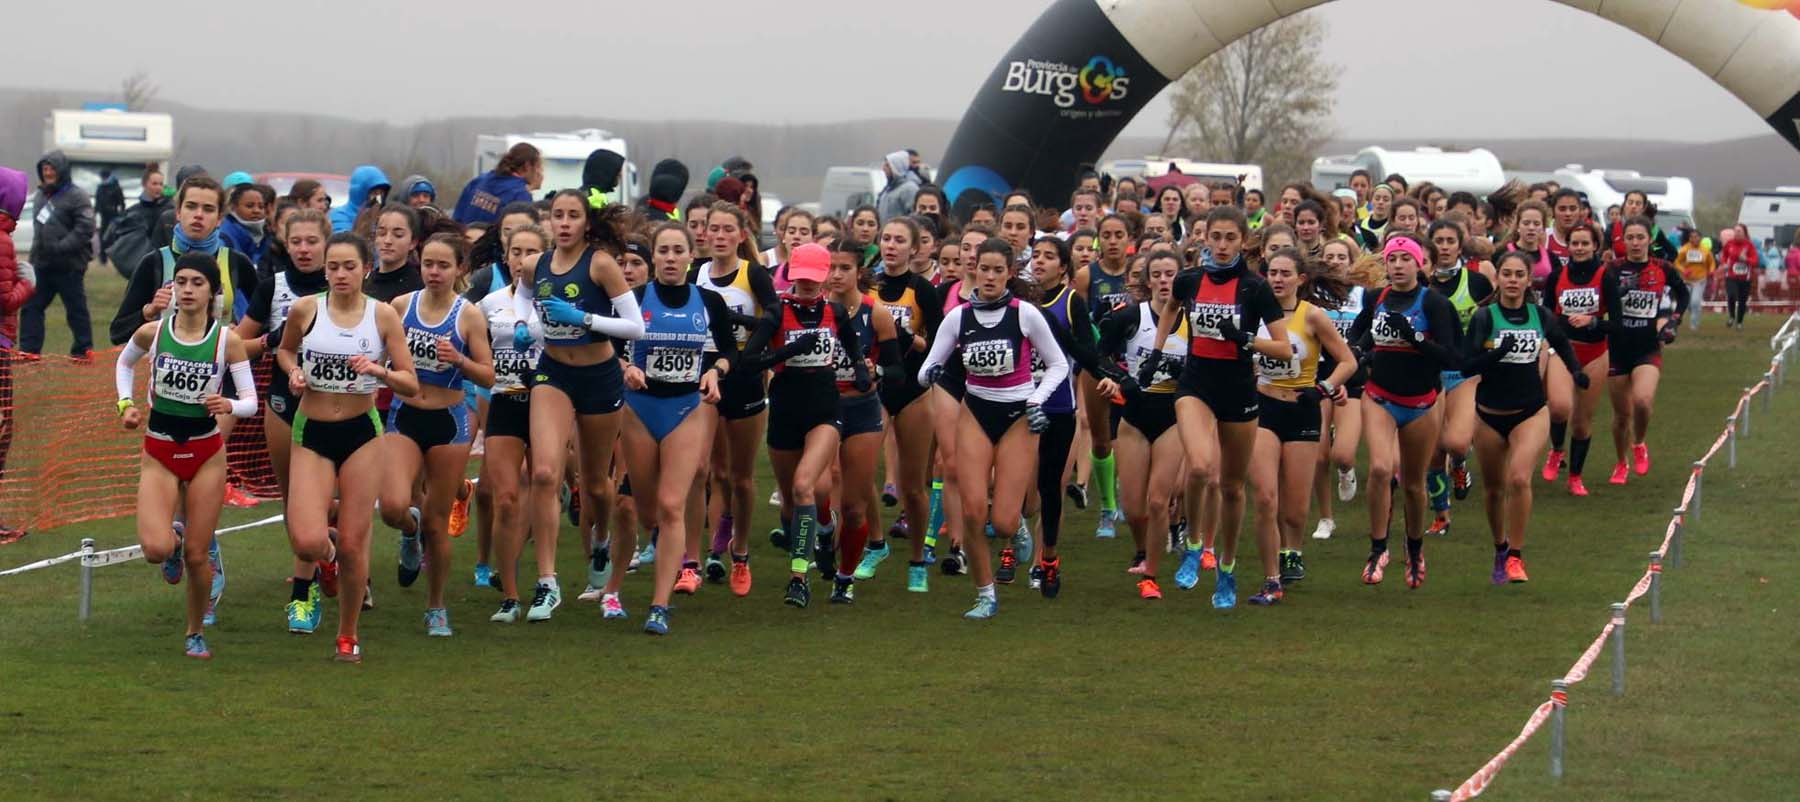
(846, 188)
(1476, 171)
(1771, 213)
(1672, 195)
(565, 154)
(1249, 176)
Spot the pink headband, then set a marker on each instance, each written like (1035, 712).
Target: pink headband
(1405, 244)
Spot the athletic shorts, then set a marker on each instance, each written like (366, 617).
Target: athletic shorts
(1586, 353)
(430, 428)
(474, 394)
(336, 440)
(742, 397)
(183, 445)
(1291, 421)
(798, 407)
(509, 415)
(905, 393)
(1151, 414)
(995, 417)
(1227, 388)
(597, 389)
(860, 414)
(1451, 379)
(282, 402)
(1503, 423)
(1621, 363)
(1402, 409)
(662, 414)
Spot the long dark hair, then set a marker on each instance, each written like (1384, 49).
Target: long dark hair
(488, 249)
(606, 226)
(1018, 286)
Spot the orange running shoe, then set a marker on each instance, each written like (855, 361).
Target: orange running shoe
(1640, 459)
(740, 576)
(1621, 472)
(348, 650)
(238, 497)
(1439, 527)
(459, 509)
(1515, 570)
(688, 582)
(1576, 488)
(1372, 570)
(1553, 465)
(1209, 561)
(1415, 573)
(1148, 590)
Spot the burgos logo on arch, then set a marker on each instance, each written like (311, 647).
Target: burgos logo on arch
(1098, 81)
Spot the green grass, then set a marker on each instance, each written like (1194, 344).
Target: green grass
(1343, 692)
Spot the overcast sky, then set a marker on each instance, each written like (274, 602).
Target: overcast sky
(820, 60)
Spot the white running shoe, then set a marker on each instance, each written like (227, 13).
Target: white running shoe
(775, 497)
(1346, 484)
(588, 594)
(544, 601)
(1327, 527)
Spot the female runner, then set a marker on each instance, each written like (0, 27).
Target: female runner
(517, 336)
(668, 430)
(859, 411)
(577, 388)
(333, 356)
(1406, 332)
(1573, 291)
(996, 335)
(1102, 286)
(1217, 405)
(190, 353)
(428, 434)
(1340, 424)
(1465, 285)
(1504, 343)
(1631, 296)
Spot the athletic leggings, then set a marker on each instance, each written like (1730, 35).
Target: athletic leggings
(1053, 453)
(1737, 299)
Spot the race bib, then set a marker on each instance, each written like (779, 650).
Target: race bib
(510, 365)
(1579, 301)
(1386, 336)
(1204, 320)
(672, 365)
(903, 316)
(1641, 303)
(184, 381)
(1526, 345)
(331, 373)
(424, 348)
(1165, 367)
(989, 358)
(820, 355)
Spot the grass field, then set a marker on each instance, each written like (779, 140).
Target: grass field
(1343, 692)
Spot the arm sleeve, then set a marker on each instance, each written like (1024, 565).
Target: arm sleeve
(762, 287)
(944, 342)
(138, 291)
(1552, 281)
(1261, 306)
(1559, 341)
(756, 353)
(1477, 357)
(244, 406)
(933, 313)
(262, 303)
(125, 370)
(1115, 329)
(1083, 347)
(1360, 328)
(629, 323)
(1042, 334)
(1442, 317)
(718, 321)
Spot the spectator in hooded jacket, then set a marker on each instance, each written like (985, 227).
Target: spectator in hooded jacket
(14, 291)
(62, 244)
(667, 181)
(109, 203)
(903, 184)
(368, 190)
(418, 192)
(519, 172)
(245, 228)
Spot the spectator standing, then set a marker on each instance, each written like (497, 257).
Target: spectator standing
(63, 241)
(418, 192)
(14, 291)
(519, 172)
(1793, 266)
(368, 190)
(109, 203)
(129, 238)
(896, 200)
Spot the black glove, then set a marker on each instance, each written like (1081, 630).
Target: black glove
(932, 374)
(1403, 326)
(805, 342)
(1509, 342)
(1128, 387)
(1228, 329)
(1667, 335)
(1581, 380)
(1036, 420)
(1146, 374)
(860, 380)
(1312, 395)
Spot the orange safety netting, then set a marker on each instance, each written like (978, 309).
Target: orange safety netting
(64, 457)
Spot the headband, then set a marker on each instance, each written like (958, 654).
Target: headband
(639, 250)
(1406, 245)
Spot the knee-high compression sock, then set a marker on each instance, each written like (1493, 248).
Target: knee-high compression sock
(1578, 451)
(856, 538)
(1437, 484)
(937, 512)
(1558, 431)
(806, 524)
(1106, 476)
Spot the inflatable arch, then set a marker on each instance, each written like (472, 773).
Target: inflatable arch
(1086, 67)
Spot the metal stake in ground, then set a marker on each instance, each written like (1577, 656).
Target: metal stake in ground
(87, 578)
(1699, 479)
(1656, 587)
(1731, 441)
(1559, 699)
(1680, 528)
(1768, 391)
(1618, 644)
(1441, 795)
(1746, 413)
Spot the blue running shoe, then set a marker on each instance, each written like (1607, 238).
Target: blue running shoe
(1107, 529)
(648, 555)
(658, 623)
(437, 622)
(196, 647)
(412, 553)
(303, 616)
(918, 579)
(989, 531)
(217, 563)
(1187, 575)
(872, 558)
(1224, 590)
(985, 608)
(173, 566)
(1023, 548)
(1270, 594)
(931, 554)
(484, 574)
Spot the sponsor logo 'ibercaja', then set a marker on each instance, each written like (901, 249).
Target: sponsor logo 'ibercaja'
(1096, 82)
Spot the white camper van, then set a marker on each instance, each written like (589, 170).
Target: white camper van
(564, 156)
(1672, 195)
(1476, 171)
(1250, 176)
(846, 188)
(125, 142)
(1771, 213)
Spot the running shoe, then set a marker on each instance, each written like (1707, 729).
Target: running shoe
(798, 594)
(658, 621)
(715, 569)
(843, 591)
(1285, 561)
(1553, 465)
(1621, 472)
(437, 622)
(612, 609)
(1187, 574)
(1035, 577)
(509, 612)
(825, 555)
(1415, 573)
(368, 595)
(1640, 459)
(348, 650)
(212, 614)
(890, 495)
(688, 582)
(589, 593)
(985, 608)
(1515, 570)
(954, 564)
(1326, 528)
(240, 498)
(1178, 529)
(1269, 595)
(778, 537)
(327, 578)
(173, 565)
(740, 576)
(216, 562)
(303, 615)
(632, 566)
(1009, 564)
(918, 579)
(647, 555)
(1209, 559)
(931, 551)
(1299, 569)
(459, 509)
(1224, 590)
(1138, 567)
(1148, 589)
(600, 564)
(1106, 530)
(1023, 548)
(872, 559)
(1372, 570)
(412, 552)
(1077, 494)
(1500, 561)
(899, 529)
(1346, 484)
(1459, 478)
(775, 497)
(196, 647)
(1052, 581)
(1440, 527)
(544, 601)
(484, 574)
(721, 539)
(1576, 488)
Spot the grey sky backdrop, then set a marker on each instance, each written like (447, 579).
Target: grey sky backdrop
(828, 60)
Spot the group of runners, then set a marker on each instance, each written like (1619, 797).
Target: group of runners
(1173, 355)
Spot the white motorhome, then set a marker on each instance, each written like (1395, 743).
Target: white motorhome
(1476, 171)
(1672, 195)
(1771, 213)
(124, 142)
(846, 188)
(565, 154)
(1250, 176)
